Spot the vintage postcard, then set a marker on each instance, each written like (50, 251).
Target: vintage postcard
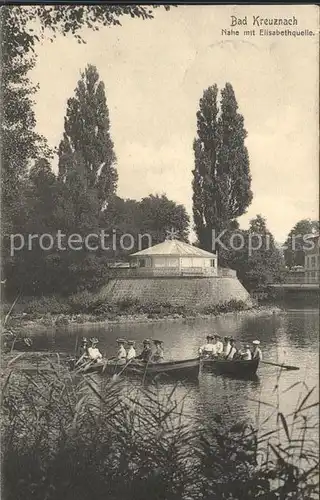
(160, 251)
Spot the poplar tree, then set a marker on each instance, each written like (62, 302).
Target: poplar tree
(221, 177)
(86, 145)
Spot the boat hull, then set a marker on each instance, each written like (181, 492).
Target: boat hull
(187, 368)
(237, 368)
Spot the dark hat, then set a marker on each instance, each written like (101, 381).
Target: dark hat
(121, 341)
(94, 340)
(226, 338)
(146, 341)
(157, 342)
(131, 342)
(231, 339)
(209, 337)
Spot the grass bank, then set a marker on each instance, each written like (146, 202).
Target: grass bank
(68, 438)
(85, 308)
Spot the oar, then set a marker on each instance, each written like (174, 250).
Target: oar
(286, 367)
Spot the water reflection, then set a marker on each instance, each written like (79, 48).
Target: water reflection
(291, 337)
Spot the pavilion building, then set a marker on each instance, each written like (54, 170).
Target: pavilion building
(174, 258)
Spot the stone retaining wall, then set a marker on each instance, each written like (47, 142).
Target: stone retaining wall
(189, 291)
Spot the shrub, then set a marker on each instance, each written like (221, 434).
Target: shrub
(44, 305)
(83, 302)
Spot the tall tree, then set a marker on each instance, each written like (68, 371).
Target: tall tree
(221, 177)
(294, 245)
(22, 27)
(87, 135)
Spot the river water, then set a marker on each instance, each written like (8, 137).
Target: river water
(290, 336)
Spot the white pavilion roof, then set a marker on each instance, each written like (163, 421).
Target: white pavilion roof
(175, 248)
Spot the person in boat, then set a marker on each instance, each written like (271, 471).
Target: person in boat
(226, 346)
(146, 353)
(121, 353)
(256, 352)
(93, 351)
(158, 354)
(82, 354)
(246, 353)
(83, 350)
(233, 350)
(209, 349)
(131, 353)
(219, 345)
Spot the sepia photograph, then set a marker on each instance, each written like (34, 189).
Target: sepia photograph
(160, 264)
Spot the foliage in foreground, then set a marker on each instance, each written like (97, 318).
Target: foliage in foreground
(93, 438)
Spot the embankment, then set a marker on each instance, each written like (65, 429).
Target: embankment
(192, 293)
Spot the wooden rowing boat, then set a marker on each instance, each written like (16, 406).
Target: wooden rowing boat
(235, 367)
(181, 369)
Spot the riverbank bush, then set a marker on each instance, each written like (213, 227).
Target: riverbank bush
(92, 438)
(61, 311)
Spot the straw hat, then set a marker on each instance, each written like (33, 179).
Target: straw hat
(247, 346)
(146, 341)
(94, 340)
(131, 342)
(256, 342)
(121, 341)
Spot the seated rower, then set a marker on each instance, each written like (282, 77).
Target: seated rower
(256, 353)
(121, 353)
(131, 353)
(83, 349)
(233, 350)
(93, 351)
(146, 353)
(209, 349)
(246, 353)
(226, 346)
(219, 345)
(82, 355)
(158, 354)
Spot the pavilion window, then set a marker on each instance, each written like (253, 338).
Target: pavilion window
(160, 262)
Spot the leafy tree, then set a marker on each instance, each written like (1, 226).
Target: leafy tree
(294, 245)
(221, 177)
(154, 215)
(20, 143)
(28, 268)
(22, 27)
(255, 257)
(158, 215)
(87, 138)
(65, 19)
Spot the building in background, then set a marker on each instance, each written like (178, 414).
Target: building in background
(312, 261)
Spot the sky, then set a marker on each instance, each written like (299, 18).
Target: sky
(155, 72)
